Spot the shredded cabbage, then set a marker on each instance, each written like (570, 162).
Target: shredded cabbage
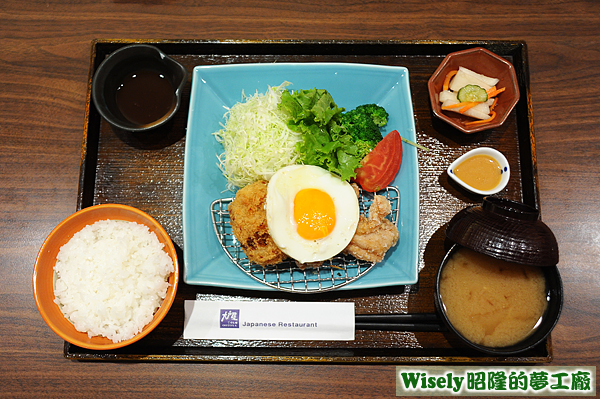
(256, 139)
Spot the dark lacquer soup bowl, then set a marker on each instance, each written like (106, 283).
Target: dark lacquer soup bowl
(498, 288)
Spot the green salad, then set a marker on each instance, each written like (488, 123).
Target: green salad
(266, 132)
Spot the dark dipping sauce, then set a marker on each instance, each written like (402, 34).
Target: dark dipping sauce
(145, 96)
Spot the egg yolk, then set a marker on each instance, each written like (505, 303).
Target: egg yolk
(314, 213)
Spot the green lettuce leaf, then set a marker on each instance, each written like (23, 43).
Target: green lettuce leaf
(315, 114)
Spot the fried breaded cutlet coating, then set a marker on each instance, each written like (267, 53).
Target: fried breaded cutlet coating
(248, 220)
(375, 234)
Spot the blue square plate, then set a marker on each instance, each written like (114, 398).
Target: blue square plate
(215, 87)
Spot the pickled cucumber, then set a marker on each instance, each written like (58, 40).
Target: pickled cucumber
(472, 93)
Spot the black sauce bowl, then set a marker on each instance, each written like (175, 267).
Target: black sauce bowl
(117, 66)
(554, 297)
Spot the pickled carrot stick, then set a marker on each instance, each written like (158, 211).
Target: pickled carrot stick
(494, 104)
(449, 76)
(482, 120)
(468, 107)
(494, 92)
(457, 105)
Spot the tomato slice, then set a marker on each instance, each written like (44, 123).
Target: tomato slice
(381, 165)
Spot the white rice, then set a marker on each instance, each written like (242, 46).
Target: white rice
(111, 277)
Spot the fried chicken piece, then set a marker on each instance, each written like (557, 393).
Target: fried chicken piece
(375, 234)
(248, 219)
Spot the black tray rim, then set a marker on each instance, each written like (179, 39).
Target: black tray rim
(517, 49)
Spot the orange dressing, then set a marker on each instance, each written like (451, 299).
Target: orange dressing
(481, 172)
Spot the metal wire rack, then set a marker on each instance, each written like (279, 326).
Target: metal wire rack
(288, 276)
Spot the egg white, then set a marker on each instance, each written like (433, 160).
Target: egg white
(281, 191)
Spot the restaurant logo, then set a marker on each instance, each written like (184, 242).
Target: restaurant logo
(230, 318)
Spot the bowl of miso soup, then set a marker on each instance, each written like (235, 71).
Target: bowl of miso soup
(492, 296)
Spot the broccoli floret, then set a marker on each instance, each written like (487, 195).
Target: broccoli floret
(377, 113)
(362, 124)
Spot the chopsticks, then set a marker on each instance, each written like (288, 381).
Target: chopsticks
(428, 322)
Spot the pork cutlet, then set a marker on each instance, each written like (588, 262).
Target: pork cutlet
(248, 220)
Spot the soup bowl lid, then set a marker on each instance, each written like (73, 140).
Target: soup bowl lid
(507, 230)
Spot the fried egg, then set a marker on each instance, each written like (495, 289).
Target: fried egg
(311, 213)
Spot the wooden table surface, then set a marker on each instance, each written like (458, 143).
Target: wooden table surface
(44, 63)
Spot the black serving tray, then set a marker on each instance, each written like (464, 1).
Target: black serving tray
(146, 171)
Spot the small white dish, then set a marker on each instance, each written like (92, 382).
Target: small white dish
(497, 155)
